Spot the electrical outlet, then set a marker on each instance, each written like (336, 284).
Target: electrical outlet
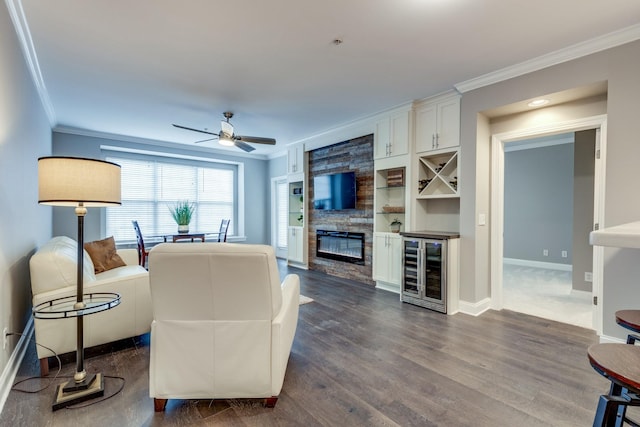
(5, 337)
(588, 277)
(545, 252)
(564, 254)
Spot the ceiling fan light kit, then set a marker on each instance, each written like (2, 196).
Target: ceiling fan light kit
(228, 138)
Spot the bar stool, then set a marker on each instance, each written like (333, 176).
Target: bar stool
(629, 319)
(619, 363)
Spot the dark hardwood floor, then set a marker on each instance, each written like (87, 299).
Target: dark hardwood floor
(363, 358)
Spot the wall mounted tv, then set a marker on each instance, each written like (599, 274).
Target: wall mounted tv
(334, 191)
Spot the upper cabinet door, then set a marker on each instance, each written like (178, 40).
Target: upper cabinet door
(392, 136)
(438, 125)
(295, 159)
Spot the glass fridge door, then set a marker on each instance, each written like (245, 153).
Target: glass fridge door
(410, 267)
(434, 270)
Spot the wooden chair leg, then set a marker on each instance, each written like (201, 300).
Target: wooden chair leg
(44, 367)
(270, 402)
(159, 404)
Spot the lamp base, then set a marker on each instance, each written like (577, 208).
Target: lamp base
(70, 393)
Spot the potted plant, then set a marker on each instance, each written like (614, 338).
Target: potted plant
(395, 225)
(182, 212)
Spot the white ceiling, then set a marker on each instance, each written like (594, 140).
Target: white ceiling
(133, 68)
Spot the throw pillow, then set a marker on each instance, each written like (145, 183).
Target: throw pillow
(103, 254)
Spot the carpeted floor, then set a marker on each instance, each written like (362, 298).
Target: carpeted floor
(547, 294)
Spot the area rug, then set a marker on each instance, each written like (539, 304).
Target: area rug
(305, 300)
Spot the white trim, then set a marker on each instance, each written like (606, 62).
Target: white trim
(388, 287)
(497, 201)
(606, 339)
(156, 143)
(26, 43)
(474, 308)
(13, 364)
(538, 264)
(578, 50)
(530, 144)
(117, 149)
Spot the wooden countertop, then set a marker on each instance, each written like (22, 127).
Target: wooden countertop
(431, 234)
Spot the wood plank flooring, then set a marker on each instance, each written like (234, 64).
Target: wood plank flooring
(363, 358)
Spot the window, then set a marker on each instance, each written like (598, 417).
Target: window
(150, 187)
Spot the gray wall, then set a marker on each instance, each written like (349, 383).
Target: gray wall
(618, 67)
(256, 179)
(25, 135)
(538, 203)
(583, 188)
(278, 166)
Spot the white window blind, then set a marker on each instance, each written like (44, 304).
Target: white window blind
(150, 187)
(282, 206)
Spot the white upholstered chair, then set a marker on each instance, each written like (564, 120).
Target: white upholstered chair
(223, 324)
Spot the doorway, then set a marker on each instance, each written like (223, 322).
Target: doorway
(548, 214)
(499, 141)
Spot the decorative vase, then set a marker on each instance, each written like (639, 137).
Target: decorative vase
(395, 228)
(183, 228)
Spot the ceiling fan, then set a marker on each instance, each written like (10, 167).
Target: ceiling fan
(227, 137)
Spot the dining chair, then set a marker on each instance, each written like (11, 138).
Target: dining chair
(224, 227)
(142, 252)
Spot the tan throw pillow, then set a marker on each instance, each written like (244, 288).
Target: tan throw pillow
(103, 254)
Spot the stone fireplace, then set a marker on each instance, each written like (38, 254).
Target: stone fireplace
(354, 155)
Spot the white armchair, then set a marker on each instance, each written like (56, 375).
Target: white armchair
(223, 323)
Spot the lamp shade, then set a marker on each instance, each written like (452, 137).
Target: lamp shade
(69, 181)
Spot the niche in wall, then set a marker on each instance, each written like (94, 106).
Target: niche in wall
(355, 155)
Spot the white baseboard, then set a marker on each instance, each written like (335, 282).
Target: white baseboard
(388, 287)
(606, 339)
(474, 308)
(538, 264)
(13, 364)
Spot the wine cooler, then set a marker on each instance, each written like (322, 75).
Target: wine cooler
(424, 273)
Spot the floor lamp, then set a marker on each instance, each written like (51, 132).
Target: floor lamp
(79, 183)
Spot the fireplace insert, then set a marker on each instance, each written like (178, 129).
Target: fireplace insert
(340, 245)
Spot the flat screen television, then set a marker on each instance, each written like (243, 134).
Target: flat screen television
(334, 191)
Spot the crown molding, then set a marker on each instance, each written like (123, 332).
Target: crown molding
(578, 50)
(26, 43)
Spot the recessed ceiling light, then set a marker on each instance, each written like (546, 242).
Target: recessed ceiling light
(538, 102)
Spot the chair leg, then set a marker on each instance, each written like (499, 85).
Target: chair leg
(270, 402)
(610, 412)
(159, 404)
(44, 367)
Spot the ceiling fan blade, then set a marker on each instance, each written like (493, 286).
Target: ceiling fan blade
(195, 130)
(256, 139)
(204, 140)
(243, 146)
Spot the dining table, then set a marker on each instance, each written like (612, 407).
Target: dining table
(191, 235)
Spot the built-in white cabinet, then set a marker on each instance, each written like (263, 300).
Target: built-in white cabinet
(295, 159)
(390, 199)
(295, 245)
(392, 135)
(438, 175)
(437, 123)
(387, 261)
(296, 241)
